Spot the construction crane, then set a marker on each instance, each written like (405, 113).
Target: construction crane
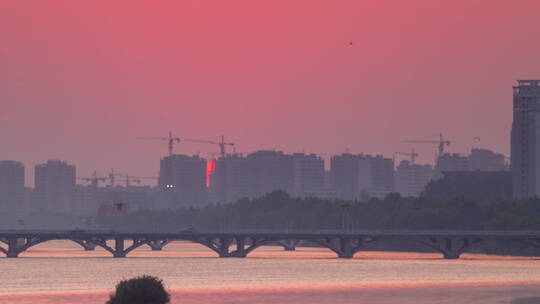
(221, 143)
(441, 143)
(112, 177)
(137, 179)
(94, 179)
(411, 154)
(131, 179)
(171, 140)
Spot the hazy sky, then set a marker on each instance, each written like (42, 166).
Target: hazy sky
(80, 80)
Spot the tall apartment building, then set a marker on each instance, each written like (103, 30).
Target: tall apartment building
(12, 191)
(362, 176)
(411, 179)
(183, 179)
(308, 175)
(486, 160)
(54, 185)
(525, 139)
(230, 179)
(269, 171)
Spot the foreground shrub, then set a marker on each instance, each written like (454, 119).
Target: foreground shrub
(140, 290)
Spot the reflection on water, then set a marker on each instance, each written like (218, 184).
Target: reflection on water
(534, 300)
(60, 272)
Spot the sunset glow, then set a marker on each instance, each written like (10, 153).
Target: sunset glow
(117, 71)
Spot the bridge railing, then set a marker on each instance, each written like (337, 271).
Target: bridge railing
(291, 232)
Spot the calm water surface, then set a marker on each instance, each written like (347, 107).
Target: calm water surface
(60, 272)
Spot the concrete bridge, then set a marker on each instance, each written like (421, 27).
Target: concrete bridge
(451, 244)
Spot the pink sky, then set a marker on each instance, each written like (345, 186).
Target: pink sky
(80, 80)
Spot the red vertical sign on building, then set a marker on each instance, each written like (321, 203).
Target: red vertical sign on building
(210, 167)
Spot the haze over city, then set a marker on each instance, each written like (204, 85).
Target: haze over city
(303, 75)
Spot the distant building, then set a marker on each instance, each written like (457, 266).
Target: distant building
(308, 174)
(382, 176)
(54, 185)
(486, 160)
(344, 175)
(411, 179)
(451, 162)
(525, 139)
(362, 176)
(269, 171)
(85, 200)
(183, 180)
(132, 197)
(230, 179)
(12, 191)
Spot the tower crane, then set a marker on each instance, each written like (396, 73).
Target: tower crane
(131, 179)
(441, 143)
(171, 140)
(411, 154)
(222, 143)
(137, 179)
(94, 179)
(112, 177)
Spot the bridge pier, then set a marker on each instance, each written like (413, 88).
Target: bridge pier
(157, 245)
(12, 250)
(222, 245)
(345, 247)
(451, 255)
(289, 244)
(119, 251)
(451, 247)
(240, 251)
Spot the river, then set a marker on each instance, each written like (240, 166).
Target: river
(61, 272)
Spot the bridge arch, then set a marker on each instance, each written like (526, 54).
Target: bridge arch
(344, 246)
(451, 247)
(119, 250)
(17, 245)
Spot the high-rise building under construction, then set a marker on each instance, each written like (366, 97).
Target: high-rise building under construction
(525, 139)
